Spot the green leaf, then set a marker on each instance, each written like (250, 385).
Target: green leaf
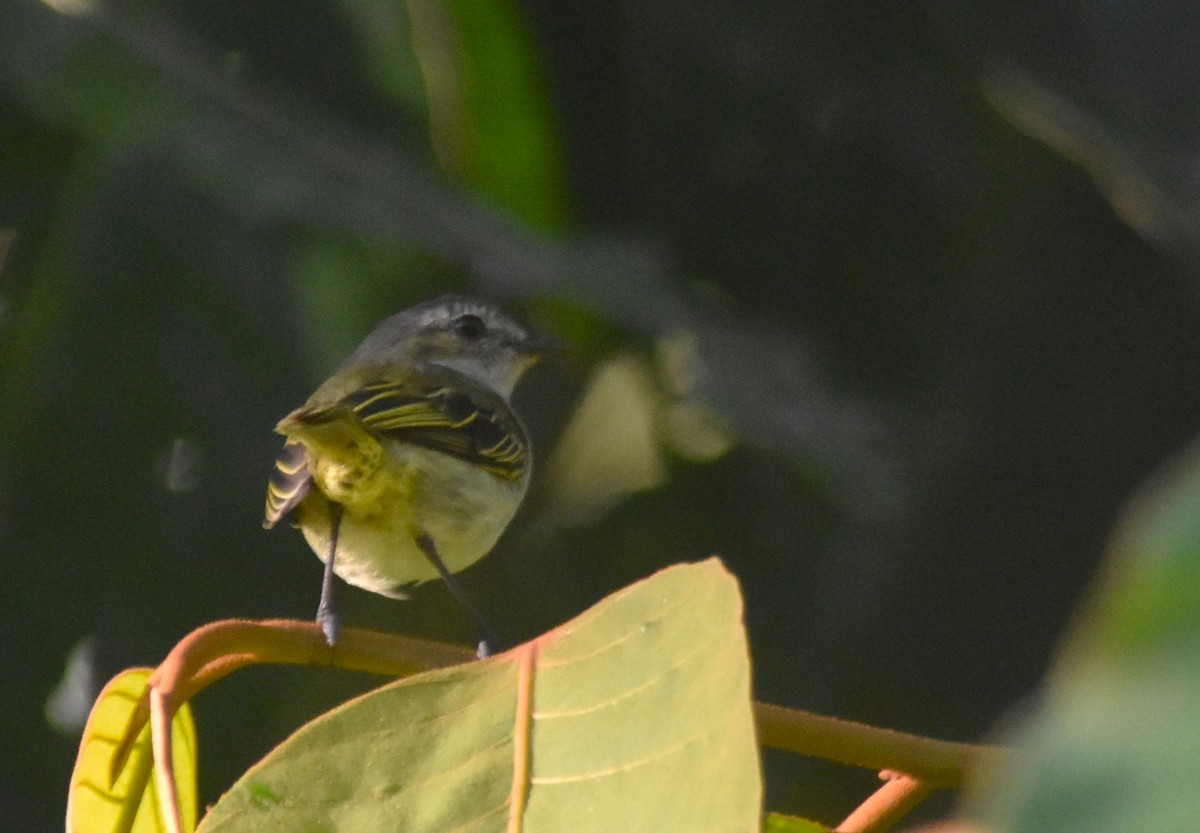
(635, 716)
(510, 148)
(1114, 746)
(779, 823)
(130, 803)
(489, 111)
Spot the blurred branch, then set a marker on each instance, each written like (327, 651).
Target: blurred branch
(277, 162)
(1110, 157)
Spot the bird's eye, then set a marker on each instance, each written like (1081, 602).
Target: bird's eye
(470, 327)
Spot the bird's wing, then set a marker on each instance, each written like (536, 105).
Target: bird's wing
(289, 483)
(476, 428)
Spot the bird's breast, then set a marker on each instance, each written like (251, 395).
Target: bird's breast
(390, 498)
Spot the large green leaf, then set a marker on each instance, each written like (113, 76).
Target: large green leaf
(508, 134)
(634, 716)
(1115, 745)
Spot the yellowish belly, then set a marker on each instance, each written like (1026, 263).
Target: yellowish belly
(413, 491)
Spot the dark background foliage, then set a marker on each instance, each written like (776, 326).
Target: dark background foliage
(939, 259)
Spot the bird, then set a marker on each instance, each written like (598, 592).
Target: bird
(408, 463)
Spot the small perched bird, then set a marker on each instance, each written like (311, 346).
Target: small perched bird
(408, 463)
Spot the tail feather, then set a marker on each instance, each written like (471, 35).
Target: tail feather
(289, 484)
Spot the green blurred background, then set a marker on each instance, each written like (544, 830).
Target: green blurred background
(932, 266)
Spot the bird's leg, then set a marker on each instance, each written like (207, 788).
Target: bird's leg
(327, 615)
(488, 641)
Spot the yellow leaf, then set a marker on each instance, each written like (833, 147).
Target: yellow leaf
(128, 804)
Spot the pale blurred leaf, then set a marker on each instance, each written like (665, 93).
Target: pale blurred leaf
(1113, 746)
